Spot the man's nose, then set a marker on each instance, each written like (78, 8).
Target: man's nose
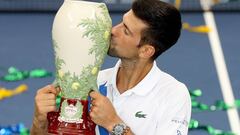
(115, 29)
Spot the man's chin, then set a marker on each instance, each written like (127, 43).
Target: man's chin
(112, 53)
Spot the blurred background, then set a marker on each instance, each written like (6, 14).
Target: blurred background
(25, 45)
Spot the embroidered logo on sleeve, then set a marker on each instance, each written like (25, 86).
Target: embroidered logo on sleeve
(139, 114)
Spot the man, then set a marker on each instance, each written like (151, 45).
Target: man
(140, 98)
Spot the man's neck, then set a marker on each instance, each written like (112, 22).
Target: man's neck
(130, 73)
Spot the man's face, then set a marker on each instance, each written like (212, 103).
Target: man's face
(126, 37)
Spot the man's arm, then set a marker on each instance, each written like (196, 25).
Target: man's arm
(45, 101)
(103, 113)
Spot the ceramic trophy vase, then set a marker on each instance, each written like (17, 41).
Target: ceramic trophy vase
(81, 34)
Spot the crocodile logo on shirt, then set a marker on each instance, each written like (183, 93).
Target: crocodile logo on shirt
(139, 114)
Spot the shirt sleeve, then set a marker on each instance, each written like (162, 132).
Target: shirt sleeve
(176, 116)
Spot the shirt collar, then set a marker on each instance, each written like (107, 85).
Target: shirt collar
(143, 87)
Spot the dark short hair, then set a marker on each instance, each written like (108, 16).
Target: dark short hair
(164, 24)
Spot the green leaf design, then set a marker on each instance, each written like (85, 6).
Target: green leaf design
(98, 31)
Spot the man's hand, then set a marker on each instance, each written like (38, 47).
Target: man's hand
(45, 101)
(102, 111)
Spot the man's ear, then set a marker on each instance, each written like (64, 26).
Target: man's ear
(146, 51)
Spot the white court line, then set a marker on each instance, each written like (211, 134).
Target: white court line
(221, 67)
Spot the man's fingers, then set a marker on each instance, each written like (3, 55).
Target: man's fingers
(48, 89)
(48, 96)
(94, 103)
(95, 95)
(48, 103)
(93, 110)
(90, 92)
(58, 89)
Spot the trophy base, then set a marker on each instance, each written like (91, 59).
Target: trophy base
(56, 127)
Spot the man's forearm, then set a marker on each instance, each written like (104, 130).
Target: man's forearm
(38, 128)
